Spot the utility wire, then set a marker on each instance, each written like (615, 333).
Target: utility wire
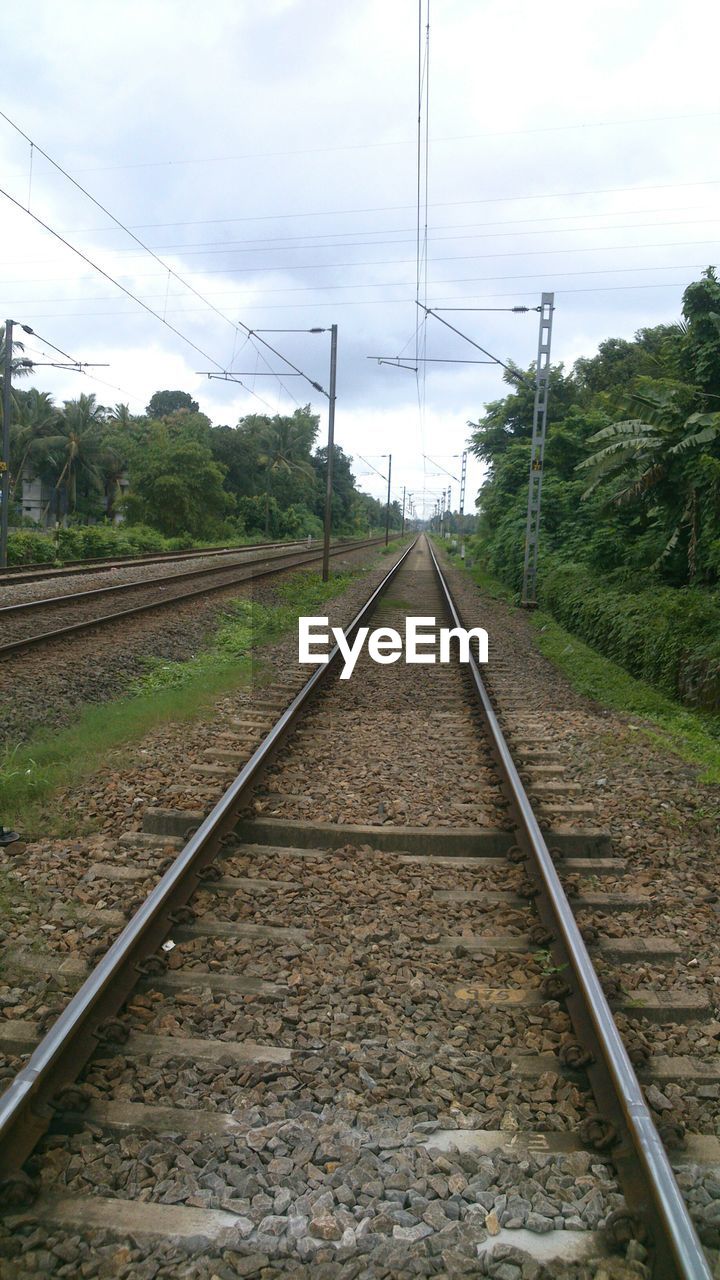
(98, 204)
(400, 208)
(402, 302)
(392, 262)
(401, 142)
(389, 284)
(95, 267)
(288, 244)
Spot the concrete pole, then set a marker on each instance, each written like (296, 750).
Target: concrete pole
(387, 509)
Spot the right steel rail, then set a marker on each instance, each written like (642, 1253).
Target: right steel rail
(648, 1181)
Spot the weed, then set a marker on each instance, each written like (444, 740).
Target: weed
(167, 692)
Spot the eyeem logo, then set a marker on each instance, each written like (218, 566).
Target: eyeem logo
(385, 645)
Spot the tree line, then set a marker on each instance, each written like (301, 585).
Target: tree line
(172, 470)
(631, 478)
(630, 522)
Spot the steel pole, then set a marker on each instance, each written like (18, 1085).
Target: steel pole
(387, 509)
(402, 530)
(5, 469)
(537, 451)
(463, 479)
(330, 453)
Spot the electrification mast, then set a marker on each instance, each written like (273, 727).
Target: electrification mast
(463, 479)
(537, 451)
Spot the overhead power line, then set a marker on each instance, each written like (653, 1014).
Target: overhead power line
(380, 262)
(166, 267)
(401, 302)
(290, 244)
(400, 142)
(225, 247)
(102, 272)
(396, 284)
(400, 208)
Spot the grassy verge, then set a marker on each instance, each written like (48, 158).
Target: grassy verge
(688, 734)
(31, 774)
(692, 736)
(396, 544)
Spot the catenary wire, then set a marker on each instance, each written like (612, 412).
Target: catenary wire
(403, 142)
(397, 208)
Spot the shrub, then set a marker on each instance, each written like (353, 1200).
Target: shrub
(666, 635)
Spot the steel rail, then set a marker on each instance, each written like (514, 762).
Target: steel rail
(26, 1106)
(98, 564)
(277, 563)
(678, 1252)
(117, 588)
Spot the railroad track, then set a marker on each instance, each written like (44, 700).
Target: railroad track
(14, 574)
(31, 623)
(328, 1047)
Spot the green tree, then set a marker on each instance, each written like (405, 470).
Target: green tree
(177, 486)
(35, 418)
(343, 485)
(163, 403)
(284, 453)
(701, 337)
(70, 457)
(656, 460)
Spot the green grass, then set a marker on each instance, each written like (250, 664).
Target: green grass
(688, 734)
(168, 692)
(692, 736)
(397, 544)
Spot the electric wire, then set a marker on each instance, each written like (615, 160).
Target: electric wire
(398, 208)
(281, 244)
(98, 204)
(401, 142)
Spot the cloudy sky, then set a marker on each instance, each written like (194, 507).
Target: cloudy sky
(267, 154)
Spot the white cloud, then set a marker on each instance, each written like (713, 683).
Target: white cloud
(243, 132)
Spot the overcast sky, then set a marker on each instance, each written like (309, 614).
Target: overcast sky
(267, 153)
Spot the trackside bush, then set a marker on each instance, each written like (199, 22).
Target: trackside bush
(665, 635)
(85, 542)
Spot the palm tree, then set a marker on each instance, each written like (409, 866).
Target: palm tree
(283, 450)
(36, 418)
(120, 415)
(656, 457)
(113, 466)
(21, 367)
(73, 452)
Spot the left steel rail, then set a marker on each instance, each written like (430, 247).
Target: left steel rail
(26, 1106)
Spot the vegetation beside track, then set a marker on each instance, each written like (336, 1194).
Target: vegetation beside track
(169, 692)
(630, 553)
(691, 735)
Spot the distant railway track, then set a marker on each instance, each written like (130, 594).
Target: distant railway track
(29, 619)
(304, 1034)
(36, 573)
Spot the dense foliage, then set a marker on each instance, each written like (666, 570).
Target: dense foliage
(631, 495)
(171, 470)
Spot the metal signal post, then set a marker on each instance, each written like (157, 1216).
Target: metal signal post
(537, 451)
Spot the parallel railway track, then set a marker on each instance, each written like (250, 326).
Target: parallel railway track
(364, 1041)
(32, 622)
(14, 574)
